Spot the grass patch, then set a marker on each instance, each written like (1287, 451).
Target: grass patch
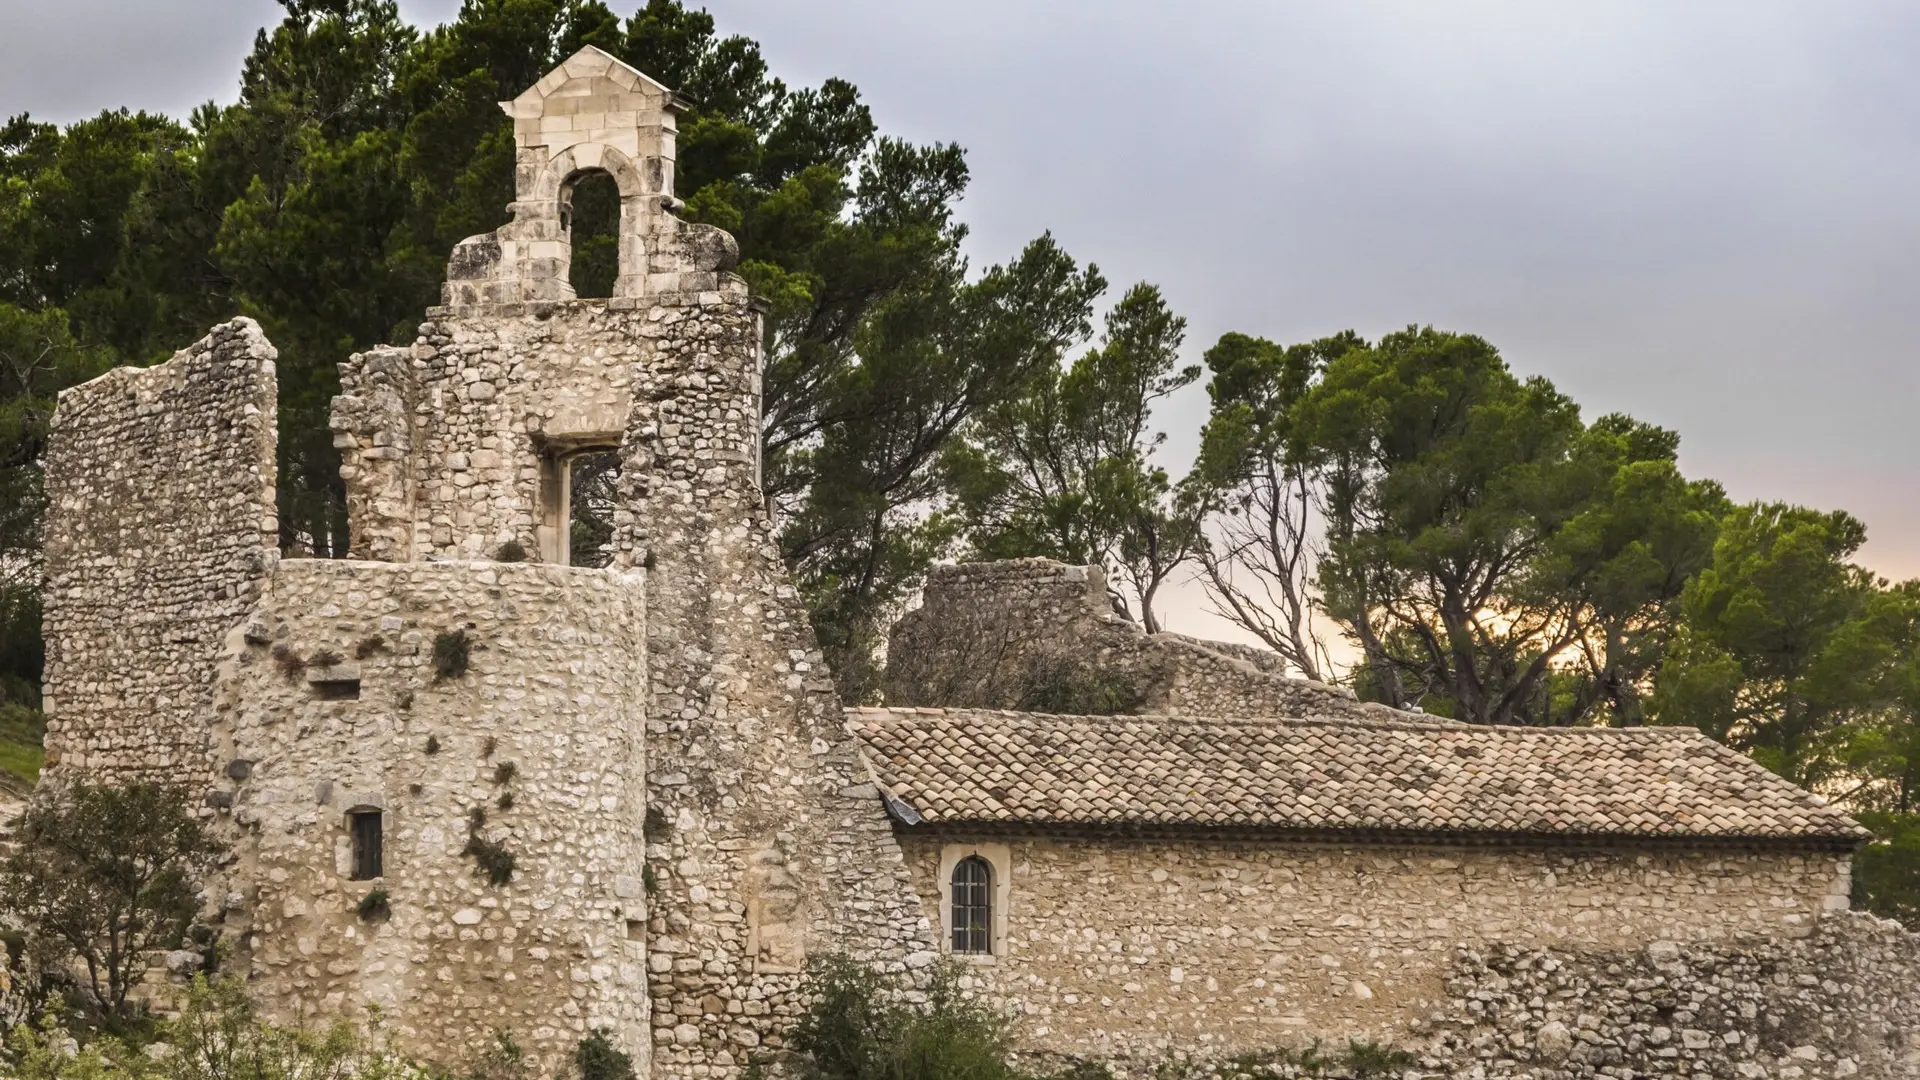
(23, 734)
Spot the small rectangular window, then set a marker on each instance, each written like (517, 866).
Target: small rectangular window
(336, 689)
(365, 825)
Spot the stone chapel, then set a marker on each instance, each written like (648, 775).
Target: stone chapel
(625, 798)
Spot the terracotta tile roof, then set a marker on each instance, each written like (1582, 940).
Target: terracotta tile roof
(983, 766)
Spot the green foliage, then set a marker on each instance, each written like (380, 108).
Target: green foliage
(1359, 1060)
(1886, 872)
(375, 905)
(513, 551)
(1065, 468)
(598, 1059)
(1791, 651)
(1494, 558)
(217, 1035)
(858, 1027)
(22, 730)
(105, 875)
(451, 650)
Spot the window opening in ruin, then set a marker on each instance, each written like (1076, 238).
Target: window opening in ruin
(593, 480)
(972, 906)
(590, 211)
(336, 689)
(636, 930)
(365, 828)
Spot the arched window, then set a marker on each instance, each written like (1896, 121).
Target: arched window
(973, 906)
(590, 213)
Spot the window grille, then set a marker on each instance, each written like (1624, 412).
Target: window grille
(972, 906)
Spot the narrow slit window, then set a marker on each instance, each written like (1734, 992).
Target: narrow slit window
(367, 861)
(336, 689)
(973, 906)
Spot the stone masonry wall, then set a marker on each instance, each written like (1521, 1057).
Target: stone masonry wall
(1130, 950)
(444, 442)
(994, 635)
(544, 733)
(1841, 1002)
(160, 532)
(775, 846)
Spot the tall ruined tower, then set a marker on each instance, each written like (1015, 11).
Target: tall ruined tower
(612, 798)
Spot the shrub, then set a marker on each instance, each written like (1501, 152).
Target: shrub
(511, 551)
(374, 905)
(599, 1059)
(504, 772)
(106, 874)
(860, 1027)
(433, 744)
(450, 654)
(325, 658)
(369, 645)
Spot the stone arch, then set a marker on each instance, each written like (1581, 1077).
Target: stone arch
(552, 192)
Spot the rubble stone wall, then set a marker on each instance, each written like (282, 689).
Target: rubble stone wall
(1133, 949)
(988, 635)
(160, 532)
(776, 846)
(1841, 1002)
(544, 734)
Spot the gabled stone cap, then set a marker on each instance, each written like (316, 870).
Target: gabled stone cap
(982, 766)
(591, 62)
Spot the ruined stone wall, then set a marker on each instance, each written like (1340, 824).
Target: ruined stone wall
(544, 734)
(1841, 1002)
(777, 847)
(1040, 635)
(1133, 949)
(160, 530)
(444, 443)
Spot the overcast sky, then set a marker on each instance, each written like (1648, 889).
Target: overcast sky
(1703, 214)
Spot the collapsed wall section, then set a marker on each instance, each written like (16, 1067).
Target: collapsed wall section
(341, 697)
(160, 531)
(1039, 635)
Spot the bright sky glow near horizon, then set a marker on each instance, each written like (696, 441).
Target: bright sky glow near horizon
(1706, 215)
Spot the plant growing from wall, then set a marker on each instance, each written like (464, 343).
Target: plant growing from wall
(325, 658)
(656, 825)
(433, 744)
(450, 654)
(511, 551)
(103, 876)
(375, 906)
(369, 645)
(291, 663)
(504, 772)
(598, 1059)
(490, 857)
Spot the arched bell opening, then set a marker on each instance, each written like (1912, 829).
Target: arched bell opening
(590, 216)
